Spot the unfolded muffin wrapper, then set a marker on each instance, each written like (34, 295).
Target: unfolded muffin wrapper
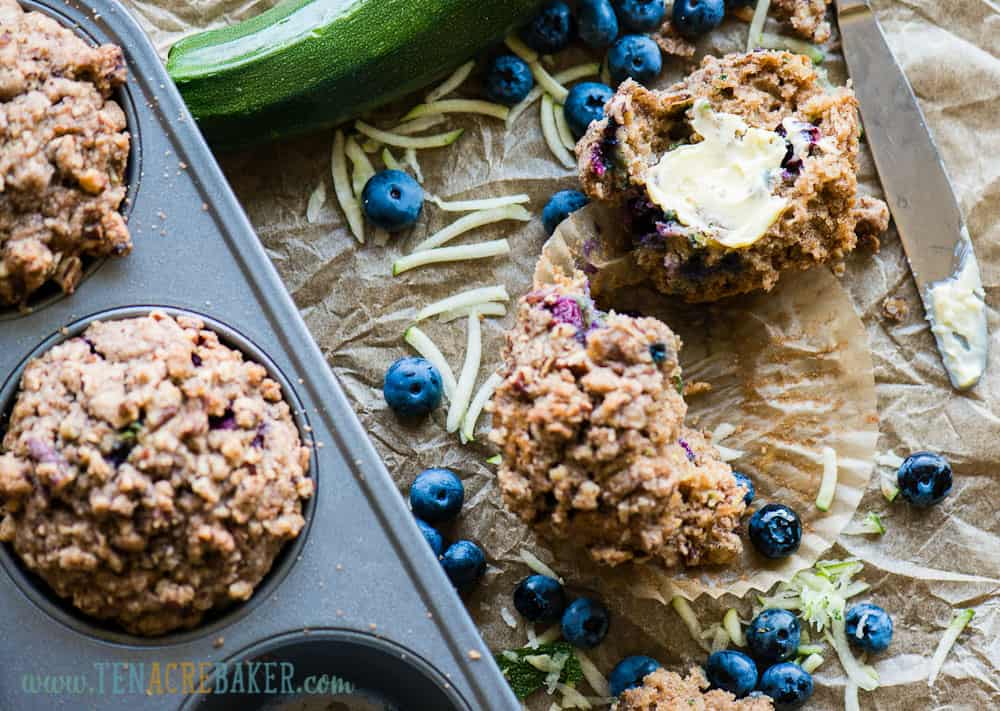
(926, 565)
(791, 370)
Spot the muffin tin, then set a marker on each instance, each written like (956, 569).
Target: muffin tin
(358, 597)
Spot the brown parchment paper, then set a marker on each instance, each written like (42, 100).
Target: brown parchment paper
(927, 564)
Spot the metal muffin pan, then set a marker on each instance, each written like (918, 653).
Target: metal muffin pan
(358, 595)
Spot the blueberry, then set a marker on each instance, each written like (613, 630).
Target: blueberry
(773, 636)
(550, 30)
(924, 479)
(508, 80)
(560, 206)
(745, 481)
(464, 562)
(584, 104)
(585, 623)
(869, 627)
(629, 673)
(392, 200)
(436, 495)
(635, 56)
(658, 352)
(693, 18)
(732, 671)
(412, 387)
(641, 15)
(433, 538)
(598, 24)
(775, 531)
(540, 598)
(788, 684)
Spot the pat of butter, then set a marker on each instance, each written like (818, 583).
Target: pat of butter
(722, 186)
(958, 320)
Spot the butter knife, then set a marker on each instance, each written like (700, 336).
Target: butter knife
(920, 196)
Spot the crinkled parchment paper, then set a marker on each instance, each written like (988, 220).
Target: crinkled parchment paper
(927, 564)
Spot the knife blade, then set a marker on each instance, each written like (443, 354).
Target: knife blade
(920, 196)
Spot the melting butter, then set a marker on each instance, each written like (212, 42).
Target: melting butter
(958, 319)
(723, 186)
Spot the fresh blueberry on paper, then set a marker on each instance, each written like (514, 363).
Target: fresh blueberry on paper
(464, 562)
(550, 30)
(773, 636)
(641, 15)
(634, 56)
(559, 207)
(924, 478)
(431, 535)
(868, 627)
(392, 200)
(747, 483)
(540, 598)
(508, 80)
(694, 18)
(412, 387)
(597, 23)
(436, 495)
(584, 104)
(629, 673)
(585, 623)
(788, 685)
(775, 531)
(732, 671)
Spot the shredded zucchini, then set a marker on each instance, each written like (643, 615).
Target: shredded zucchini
(316, 201)
(828, 487)
(410, 156)
(467, 377)
(551, 133)
(472, 221)
(958, 623)
(734, 628)
(536, 564)
(812, 662)
(890, 487)
(565, 135)
(484, 204)
(861, 674)
(683, 609)
(452, 83)
(592, 674)
(495, 460)
(390, 160)
(408, 128)
(548, 83)
(422, 344)
(483, 395)
(399, 141)
(483, 250)
(757, 24)
(458, 106)
(871, 526)
(342, 186)
(472, 297)
(851, 697)
(727, 454)
(362, 169)
(492, 308)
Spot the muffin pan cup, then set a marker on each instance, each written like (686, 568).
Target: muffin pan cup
(359, 574)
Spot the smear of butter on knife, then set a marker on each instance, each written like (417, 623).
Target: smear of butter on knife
(957, 315)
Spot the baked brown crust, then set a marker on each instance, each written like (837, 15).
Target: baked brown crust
(63, 153)
(593, 443)
(667, 691)
(824, 215)
(150, 474)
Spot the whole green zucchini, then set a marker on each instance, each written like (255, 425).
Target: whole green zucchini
(311, 64)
